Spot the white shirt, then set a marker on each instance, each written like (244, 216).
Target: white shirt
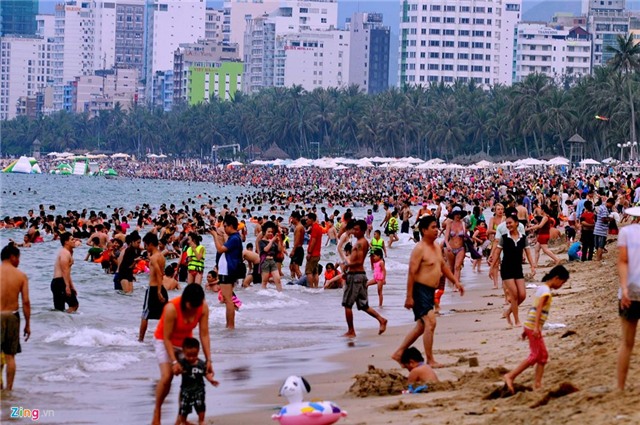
(629, 237)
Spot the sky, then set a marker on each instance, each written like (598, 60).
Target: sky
(533, 10)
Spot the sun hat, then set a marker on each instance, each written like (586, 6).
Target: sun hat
(634, 211)
(457, 210)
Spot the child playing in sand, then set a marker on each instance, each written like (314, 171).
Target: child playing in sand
(192, 386)
(419, 371)
(536, 317)
(379, 273)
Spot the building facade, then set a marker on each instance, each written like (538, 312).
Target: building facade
(170, 23)
(213, 25)
(606, 20)
(445, 41)
(103, 90)
(369, 56)
(562, 54)
(220, 82)
(18, 17)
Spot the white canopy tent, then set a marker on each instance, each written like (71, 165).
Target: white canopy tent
(589, 161)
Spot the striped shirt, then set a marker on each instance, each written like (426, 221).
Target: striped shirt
(601, 228)
(542, 295)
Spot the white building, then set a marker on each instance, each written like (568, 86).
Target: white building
(289, 16)
(23, 71)
(369, 56)
(169, 23)
(314, 59)
(213, 25)
(445, 41)
(558, 53)
(74, 44)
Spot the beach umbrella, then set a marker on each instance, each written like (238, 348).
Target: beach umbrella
(120, 155)
(523, 167)
(559, 160)
(364, 163)
(53, 154)
(152, 155)
(484, 164)
(400, 164)
(162, 155)
(411, 160)
(236, 163)
(436, 161)
(589, 161)
(533, 161)
(507, 164)
(341, 167)
(609, 161)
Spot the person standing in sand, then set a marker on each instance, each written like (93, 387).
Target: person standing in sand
(13, 286)
(426, 266)
(62, 288)
(629, 293)
(156, 296)
(355, 291)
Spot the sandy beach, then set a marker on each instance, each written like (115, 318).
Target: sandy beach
(582, 363)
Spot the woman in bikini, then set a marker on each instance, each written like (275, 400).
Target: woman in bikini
(454, 235)
(495, 221)
(545, 223)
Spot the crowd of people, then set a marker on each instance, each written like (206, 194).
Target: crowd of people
(254, 233)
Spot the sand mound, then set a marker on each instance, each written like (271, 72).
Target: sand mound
(378, 382)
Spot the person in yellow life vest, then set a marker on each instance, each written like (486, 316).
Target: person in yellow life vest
(195, 258)
(377, 243)
(392, 228)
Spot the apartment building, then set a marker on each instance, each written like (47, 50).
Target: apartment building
(446, 40)
(553, 51)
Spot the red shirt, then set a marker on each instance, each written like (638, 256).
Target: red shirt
(316, 234)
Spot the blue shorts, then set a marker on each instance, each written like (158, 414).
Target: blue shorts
(599, 241)
(423, 300)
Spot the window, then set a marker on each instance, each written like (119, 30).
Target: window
(477, 21)
(434, 55)
(323, 20)
(463, 56)
(434, 43)
(422, 55)
(421, 67)
(435, 19)
(450, 8)
(450, 20)
(465, 9)
(447, 79)
(477, 45)
(433, 78)
(447, 67)
(424, 19)
(423, 31)
(463, 44)
(423, 43)
(434, 67)
(478, 10)
(463, 33)
(449, 44)
(435, 8)
(476, 57)
(463, 68)
(449, 32)
(476, 68)
(464, 20)
(434, 31)
(478, 33)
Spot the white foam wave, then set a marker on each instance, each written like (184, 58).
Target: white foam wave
(107, 362)
(90, 337)
(63, 374)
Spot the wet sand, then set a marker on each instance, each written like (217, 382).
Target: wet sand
(582, 357)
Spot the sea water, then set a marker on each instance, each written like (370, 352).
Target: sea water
(89, 368)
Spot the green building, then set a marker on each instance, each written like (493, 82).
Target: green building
(220, 82)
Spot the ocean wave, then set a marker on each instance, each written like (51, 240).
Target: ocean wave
(107, 362)
(63, 374)
(90, 337)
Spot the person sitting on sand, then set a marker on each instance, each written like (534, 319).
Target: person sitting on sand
(536, 317)
(419, 371)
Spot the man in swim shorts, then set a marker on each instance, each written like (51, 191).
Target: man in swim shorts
(62, 288)
(355, 290)
(156, 296)
(297, 252)
(426, 266)
(13, 285)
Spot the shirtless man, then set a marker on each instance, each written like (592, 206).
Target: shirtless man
(64, 292)
(523, 214)
(405, 215)
(101, 235)
(426, 266)
(156, 296)
(355, 291)
(13, 285)
(297, 252)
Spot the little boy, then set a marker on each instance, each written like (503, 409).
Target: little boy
(419, 371)
(192, 386)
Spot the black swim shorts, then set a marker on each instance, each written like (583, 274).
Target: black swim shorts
(10, 333)
(632, 313)
(298, 256)
(190, 401)
(423, 300)
(60, 297)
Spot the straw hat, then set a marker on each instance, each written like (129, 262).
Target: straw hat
(634, 211)
(457, 210)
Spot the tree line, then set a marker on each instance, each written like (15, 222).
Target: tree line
(534, 117)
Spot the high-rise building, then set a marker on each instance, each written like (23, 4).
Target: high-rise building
(259, 54)
(445, 41)
(213, 25)
(606, 20)
(369, 57)
(73, 51)
(23, 73)
(289, 16)
(169, 23)
(18, 17)
(559, 53)
(221, 82)
(103, 90)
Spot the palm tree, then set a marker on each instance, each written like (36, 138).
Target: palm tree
(626, 60)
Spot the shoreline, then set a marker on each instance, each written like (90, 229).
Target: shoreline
(582, 354)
